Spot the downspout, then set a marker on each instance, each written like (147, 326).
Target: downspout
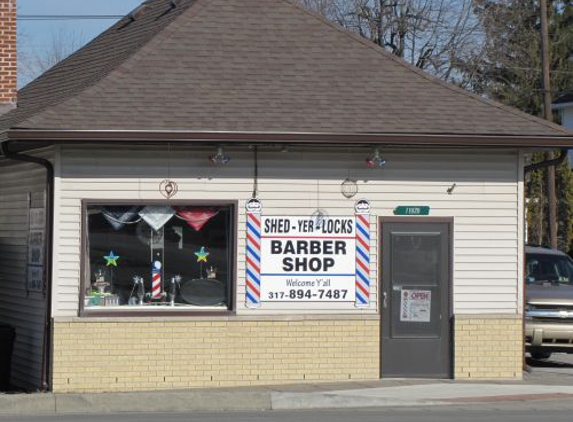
(547, 163)
(48, 253)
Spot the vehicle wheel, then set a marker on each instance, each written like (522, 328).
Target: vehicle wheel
(541, 355)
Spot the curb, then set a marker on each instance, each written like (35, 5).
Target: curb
(292, 397)
(27, 404)
(58, 404)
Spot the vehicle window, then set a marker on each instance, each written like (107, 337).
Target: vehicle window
(543, 268)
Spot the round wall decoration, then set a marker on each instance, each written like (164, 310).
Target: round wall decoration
(168, 188)
(349, 188)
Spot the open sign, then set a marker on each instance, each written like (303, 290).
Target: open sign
(416, 305)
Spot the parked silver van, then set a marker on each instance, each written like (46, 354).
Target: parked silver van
(549, 302)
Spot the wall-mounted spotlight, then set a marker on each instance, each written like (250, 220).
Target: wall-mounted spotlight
(375, 161)
(220, 158)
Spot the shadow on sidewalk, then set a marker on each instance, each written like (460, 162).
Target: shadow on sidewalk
(548, 363)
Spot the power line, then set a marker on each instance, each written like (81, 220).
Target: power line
(537, 69)
(565, 72)
(67, 17)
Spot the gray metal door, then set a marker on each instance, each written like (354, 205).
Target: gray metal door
(416, 300)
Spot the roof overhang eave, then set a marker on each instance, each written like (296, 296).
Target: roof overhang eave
(249, 138)
(561, 106)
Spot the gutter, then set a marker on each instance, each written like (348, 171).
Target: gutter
(560, 106)
(547, 163)
(48, 252)
(269, 137)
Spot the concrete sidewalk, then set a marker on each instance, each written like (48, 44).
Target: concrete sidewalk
(439, 393)
(378, 393)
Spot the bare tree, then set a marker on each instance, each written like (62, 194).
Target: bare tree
(34, 60)
(434, 35)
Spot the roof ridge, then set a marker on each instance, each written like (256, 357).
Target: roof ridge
(90, 82)
(452, 87)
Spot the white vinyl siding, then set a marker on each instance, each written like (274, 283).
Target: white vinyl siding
(22, 186)
(484, 204)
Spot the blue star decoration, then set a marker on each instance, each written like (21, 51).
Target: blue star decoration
(111, 259)
(202, 255)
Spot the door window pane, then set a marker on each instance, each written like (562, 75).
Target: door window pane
(416, 259)
(415, 285)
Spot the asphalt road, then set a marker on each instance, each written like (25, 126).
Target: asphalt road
(557, 361)
(519, 412)
(558, 369)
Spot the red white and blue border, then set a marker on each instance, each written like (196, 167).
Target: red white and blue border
(253, 254)
(362, 215)
(253, 257)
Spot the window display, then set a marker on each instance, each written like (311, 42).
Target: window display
(158, 257)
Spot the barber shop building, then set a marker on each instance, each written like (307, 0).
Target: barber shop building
(239, 192)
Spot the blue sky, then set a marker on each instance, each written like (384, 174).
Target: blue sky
(35, 37)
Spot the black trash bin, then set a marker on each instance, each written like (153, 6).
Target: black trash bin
(7, 336)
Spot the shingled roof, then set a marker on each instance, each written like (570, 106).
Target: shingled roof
(252, 66)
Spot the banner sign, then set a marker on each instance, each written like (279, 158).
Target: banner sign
(301, 262)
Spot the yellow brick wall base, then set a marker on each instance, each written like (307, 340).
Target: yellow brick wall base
(98, 356)
(488, 347)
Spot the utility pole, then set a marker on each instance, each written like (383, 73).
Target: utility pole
(546, 88)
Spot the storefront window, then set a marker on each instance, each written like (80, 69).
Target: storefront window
(158, 257)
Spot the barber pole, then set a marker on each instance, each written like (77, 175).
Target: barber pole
(156, 280)
(253, 254)
(362, 216)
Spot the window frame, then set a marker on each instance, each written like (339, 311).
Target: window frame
(184, 312)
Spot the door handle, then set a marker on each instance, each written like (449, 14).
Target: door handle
(384, 302)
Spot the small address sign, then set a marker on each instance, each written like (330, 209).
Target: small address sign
(412, 210)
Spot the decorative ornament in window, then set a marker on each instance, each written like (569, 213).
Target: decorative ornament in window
(111, 259)
(120, 216)
(202, 255)
(157, 216)
(196, 217)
